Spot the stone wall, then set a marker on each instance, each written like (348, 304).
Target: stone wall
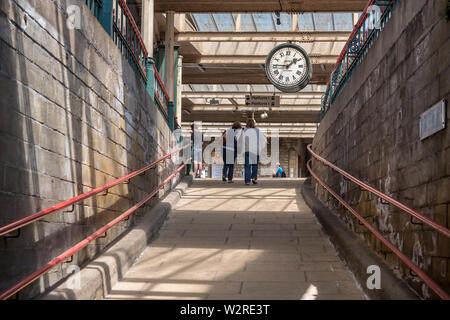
(372, 132)
(74, 115)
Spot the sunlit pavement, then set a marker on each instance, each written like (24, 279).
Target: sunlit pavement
(231, 241)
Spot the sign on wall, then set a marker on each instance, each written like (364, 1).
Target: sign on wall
(262, 101)
(433, 120)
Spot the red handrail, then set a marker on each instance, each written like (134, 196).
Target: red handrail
(161, 83)
(414, 213)
(39, 215)
(128, 14)
(358, 25)
(433, 285)
(80, 245)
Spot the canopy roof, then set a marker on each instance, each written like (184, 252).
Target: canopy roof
(224, 45)
(259, 6)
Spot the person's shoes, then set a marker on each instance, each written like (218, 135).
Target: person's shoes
(230, 181)
(247, 183)
(197, 177)
(224, 179)
(254, 182)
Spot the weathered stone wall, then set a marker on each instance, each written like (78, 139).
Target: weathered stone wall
(372, 131)
(74, 115)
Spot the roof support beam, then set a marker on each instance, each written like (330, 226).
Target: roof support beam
(255, 59)
(241, 95)
(231, 107)
(264, 36)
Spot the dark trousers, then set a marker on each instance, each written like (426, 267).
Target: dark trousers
(251, 170)
(228, 169)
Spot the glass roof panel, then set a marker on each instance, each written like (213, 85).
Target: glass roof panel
(323, 22)
(264, 21)
(204, 22)
(199, 87)
(305, 22)
(246, 22)
(229, 87)
(343, 21)
(286, 22)
(224, 21)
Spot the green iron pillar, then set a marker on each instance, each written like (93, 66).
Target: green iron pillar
(171, 115)
(150, 77)
(175, 82)
(105, 16)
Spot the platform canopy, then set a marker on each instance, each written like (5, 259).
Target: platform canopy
(224, 45)
(224, 57)
(259, 6)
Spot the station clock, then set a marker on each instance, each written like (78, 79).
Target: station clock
(288, 67)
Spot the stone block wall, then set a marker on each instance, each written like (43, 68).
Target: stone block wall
(372, 132)
(74, 115)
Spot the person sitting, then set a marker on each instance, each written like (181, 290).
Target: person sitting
(279, 171)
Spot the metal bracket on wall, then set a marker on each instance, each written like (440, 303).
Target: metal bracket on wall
(17, 235)
(365, 218)
(69, 260)
(72, 208)
(412, 221)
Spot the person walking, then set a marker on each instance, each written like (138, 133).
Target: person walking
(254, 141)
(229, 151)
(197, 148)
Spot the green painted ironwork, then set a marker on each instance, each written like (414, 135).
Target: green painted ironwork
(366, 31)
(118, 22)
(128, 39)
(95, 6)
(175, 84)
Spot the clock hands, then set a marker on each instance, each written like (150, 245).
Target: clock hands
(290, 64)
(286, 66)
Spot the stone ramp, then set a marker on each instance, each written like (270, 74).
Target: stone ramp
(231, 241)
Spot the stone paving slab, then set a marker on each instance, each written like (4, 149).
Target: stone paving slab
(237, 242)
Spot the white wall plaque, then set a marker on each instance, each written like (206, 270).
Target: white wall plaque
(433, 120)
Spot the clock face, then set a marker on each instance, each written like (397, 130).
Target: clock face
(288, 67)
